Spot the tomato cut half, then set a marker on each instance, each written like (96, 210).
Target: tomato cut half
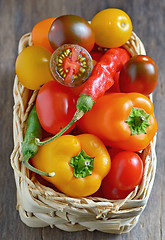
(71, 65)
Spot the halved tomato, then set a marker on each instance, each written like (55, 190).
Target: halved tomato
(71, 65)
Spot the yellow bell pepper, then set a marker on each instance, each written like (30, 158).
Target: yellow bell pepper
(79, 163)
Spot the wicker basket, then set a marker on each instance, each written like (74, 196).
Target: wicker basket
(41, 206)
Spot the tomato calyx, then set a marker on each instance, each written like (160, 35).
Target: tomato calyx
(82, 164)
(71, 65)
(138, 121)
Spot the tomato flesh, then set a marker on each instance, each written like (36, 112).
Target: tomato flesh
(71, 65)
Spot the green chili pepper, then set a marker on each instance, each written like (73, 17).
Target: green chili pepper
(29, 147)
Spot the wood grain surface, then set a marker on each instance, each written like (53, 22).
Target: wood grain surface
(17, 18)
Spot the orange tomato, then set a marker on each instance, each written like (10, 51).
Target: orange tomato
(40, 33)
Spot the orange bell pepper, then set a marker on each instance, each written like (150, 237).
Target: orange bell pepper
(79, 163)
(122, 120)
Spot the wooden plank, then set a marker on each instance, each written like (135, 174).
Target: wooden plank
(18, 17)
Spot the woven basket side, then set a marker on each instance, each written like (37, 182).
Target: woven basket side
(41, 206)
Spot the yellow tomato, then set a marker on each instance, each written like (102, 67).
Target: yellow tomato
(112, 27)
(32, 67)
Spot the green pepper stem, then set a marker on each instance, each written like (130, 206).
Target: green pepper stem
(82, 164)
(75, 118)
(138, 121)
(33, 169)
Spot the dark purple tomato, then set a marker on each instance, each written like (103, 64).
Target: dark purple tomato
(71, 65)
(71, 29)
(139, 74)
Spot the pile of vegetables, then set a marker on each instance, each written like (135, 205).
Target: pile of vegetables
(92, 114)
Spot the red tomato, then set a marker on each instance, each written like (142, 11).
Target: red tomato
(99, 193)
(111, 192)
(139, 74)
(55, 106)
(71, 29)
(108, 190)
(96, 55)
(40, 33)
(113, 152)
(126, 171)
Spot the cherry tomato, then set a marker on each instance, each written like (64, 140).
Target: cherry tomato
(108, 190)
(139, 74)
(112, 27)
(32, 67)
(71, 29)
(113, 152)
(71, 65)
(55, 106)
(99, 193)
(40, 33)
(111, 192)
(96, 55)
(126, 171)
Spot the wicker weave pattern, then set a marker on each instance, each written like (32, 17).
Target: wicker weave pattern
(40, 206)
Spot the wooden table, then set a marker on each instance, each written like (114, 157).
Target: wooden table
(17, 18)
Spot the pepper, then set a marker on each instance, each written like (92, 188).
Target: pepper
(79, 163)
(29, 147)
(102, 77)
(100, 80)
(122, 120)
